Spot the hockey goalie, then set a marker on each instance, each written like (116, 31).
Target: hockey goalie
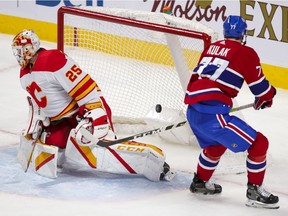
(63, 102)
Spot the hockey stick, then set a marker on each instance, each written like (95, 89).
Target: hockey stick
(242, 107)
(104, 143)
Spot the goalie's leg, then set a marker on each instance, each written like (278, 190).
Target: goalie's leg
(129, 158)
(44, 159)
(145, 159)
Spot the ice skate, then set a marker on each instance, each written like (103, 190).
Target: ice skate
(167, 174)
(260, 198)
(199, 186)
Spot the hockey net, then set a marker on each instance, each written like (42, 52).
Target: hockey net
(139, 59)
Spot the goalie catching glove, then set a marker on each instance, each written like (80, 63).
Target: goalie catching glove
(96, 122)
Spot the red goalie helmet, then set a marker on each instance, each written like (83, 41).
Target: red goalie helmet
(24, 46)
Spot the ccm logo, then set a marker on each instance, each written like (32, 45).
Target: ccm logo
(130, 148)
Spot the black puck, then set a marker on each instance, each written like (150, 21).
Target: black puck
(158, 108)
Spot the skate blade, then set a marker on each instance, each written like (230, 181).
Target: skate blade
(256, 204)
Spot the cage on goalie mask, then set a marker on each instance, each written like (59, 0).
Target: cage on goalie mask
(24, 46)
(234, 27)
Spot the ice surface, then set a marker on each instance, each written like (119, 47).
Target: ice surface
(84, 193)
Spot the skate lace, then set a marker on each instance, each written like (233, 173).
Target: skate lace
(261, 190)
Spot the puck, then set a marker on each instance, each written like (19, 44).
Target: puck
(158, 108)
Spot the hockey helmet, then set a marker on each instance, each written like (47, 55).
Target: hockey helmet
(234, 27)
(25, 45)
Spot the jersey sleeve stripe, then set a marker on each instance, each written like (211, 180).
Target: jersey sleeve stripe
(88, 87)
(83, 88)
(76, 88)
(260, 88)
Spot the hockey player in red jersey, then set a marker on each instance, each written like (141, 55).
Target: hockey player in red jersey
(219, 76)
(63, 100)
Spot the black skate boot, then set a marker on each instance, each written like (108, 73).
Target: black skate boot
(167, 174)
(199, 186)
(260, 198)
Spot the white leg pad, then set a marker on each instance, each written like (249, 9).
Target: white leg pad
(83, 155)
(24, 151)
(45, 160)
(132, 158)
(125, 158)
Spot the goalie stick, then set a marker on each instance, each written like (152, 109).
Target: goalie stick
(104, 143)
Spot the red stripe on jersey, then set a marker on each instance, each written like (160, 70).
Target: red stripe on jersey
(122, 161)
(83, 88)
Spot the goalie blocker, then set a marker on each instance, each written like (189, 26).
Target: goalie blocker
(129, 158)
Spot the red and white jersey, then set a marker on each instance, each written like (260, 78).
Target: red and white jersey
(221, 71)
(58, 85)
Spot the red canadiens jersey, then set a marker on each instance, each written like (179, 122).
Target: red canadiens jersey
(58, 84)
(221, 71)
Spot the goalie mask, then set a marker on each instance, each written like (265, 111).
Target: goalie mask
(24, 46)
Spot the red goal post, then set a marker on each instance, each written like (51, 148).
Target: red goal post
(123, 21)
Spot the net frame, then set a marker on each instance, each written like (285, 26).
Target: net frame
(123, 21)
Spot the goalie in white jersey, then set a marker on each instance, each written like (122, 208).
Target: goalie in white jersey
(63, 98)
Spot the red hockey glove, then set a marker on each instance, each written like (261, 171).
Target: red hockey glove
(262, 104)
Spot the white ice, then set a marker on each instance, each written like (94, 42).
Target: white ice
(86, 193)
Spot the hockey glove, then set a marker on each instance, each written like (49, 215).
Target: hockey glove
(262, 104)
(95, 121)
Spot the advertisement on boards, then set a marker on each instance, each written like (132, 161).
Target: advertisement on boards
(267, 20)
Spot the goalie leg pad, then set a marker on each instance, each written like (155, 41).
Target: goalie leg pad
(125, 158)
(24, 151)
(80, 154)
(45, 160)
(132, 158)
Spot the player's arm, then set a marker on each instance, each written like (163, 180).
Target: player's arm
(264, 92)
(94, 113)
